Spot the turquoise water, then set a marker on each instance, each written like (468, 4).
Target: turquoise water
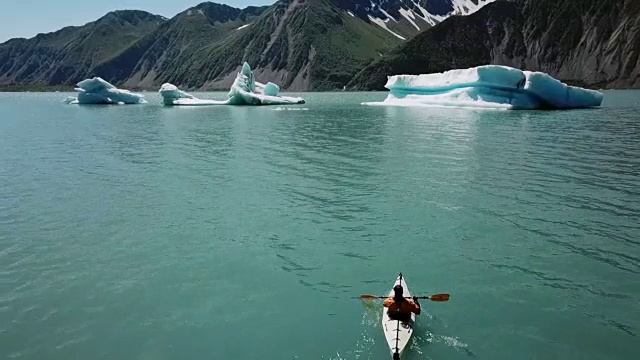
(145, 232)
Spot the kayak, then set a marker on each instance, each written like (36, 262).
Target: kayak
(398, 333)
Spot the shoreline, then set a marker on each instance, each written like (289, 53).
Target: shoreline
(66, 89)
(71, 89)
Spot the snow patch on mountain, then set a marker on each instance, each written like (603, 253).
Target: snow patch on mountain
(428, 17)
(412, 10)
(410, 16)
(468, 7)
(387, 15)
(383, 25)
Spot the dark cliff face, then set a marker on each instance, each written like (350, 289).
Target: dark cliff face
(67, 55)
(587, 42)
(596, 42)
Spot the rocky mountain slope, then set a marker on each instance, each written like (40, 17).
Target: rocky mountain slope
(593, 43)
(300, 44)
(173, 51)
(68, 55)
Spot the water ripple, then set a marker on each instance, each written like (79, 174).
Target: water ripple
(130, 232)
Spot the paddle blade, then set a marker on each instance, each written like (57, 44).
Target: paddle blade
(369, 297)
(439, 297)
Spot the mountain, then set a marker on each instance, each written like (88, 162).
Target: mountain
(68, 55)
(174, 51)
(594, 43)
(325, 44)
(300, 44)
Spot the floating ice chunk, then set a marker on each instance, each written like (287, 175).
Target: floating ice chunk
(282, 108)
(249, 83)
(71, 100)
(271, 89)
(171, 95)
(244, 91)
(489, 86)
(99, 91)
(555, 94)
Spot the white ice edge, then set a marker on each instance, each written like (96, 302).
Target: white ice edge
(489, 86)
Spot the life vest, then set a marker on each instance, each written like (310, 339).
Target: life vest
(401, 310)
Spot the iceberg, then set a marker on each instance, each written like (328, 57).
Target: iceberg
(171, 95)
(489, 86)
(99, 91)
(245, 90)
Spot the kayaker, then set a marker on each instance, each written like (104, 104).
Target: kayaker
(401, 308)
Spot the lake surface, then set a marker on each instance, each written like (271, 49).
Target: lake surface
(147, 232)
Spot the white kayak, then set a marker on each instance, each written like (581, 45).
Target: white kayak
(398, 333)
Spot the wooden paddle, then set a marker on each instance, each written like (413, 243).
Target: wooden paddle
(436, 297)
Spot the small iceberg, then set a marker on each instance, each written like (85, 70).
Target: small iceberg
(244, 91)
(489, 86)
(171, 95)
(99, 91)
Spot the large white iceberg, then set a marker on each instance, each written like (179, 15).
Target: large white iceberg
(245, 90)
(489, 86)
(99, 91)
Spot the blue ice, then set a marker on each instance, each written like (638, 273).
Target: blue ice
(99, 91)
(489, 86)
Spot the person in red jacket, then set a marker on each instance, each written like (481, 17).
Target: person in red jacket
(400, 308)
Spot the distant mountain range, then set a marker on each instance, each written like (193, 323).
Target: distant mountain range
(327, 44)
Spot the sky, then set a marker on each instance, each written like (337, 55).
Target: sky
(27, 18)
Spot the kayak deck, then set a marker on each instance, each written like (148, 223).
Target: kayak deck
(397, 333)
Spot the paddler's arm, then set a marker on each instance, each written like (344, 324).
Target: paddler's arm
(416, 306)
(388, 301)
